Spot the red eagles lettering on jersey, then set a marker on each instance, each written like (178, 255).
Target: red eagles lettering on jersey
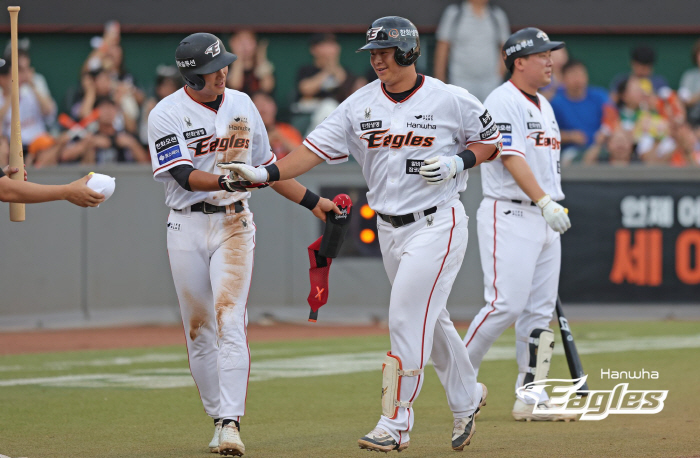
(542, 140)
(380, 138)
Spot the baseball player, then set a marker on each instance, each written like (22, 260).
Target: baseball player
(211, 234)
(414, 137)
(519, 222)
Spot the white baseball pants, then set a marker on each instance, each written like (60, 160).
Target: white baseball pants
(211, 258)
(521, 259)
(422, 260)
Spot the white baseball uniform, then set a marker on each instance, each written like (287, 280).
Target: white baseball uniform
(390, 141)
(211, 254)
(520, 253)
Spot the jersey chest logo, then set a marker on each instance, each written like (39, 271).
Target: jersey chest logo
(542, 140)
(206, 145)
(380, 138)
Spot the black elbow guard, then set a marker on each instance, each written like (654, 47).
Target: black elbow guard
(181, 174)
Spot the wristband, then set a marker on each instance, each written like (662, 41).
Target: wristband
(222, 181)
(310, 200)
(273, 173)
(468, 158)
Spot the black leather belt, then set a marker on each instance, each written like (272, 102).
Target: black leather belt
(516, 201)
(402, 220)
(209, 209)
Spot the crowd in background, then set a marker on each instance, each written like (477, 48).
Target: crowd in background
(639, 118)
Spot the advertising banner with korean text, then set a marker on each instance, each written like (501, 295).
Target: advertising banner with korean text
(632, 242)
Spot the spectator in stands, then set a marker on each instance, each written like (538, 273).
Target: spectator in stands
(168, 80)
(642, 61)
(325, 78)
(109, 144)
(108, 56)
(688, 152)
(468, 51)
(638, 115)
(559, 58)
(36, 106)
(283, 137)
(252, 71)
(579, 111)
(689, 89)
(323, 85)
(616, 148)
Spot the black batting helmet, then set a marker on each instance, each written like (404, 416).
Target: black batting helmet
(200, 54)
(525, 42)
(394, 31)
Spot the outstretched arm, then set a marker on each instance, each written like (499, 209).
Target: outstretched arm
(296, 163)
(76, 192)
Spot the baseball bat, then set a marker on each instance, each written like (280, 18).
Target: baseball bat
(16, 153)
(575, 366)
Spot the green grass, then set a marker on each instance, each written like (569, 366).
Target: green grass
(324, 416)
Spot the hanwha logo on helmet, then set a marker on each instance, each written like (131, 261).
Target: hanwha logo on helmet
(214, 49)
(393, 33)
(372, 33)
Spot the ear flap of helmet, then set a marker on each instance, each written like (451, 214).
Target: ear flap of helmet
(194, 81)
(407, 57)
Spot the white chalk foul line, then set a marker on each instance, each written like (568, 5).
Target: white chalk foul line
(304, 366)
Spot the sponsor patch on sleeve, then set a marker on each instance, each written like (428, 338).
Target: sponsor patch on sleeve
(370, 125)
(165, 142)
(485, 118)
(489, 132)
(504, 127)
(194, 133)
(169, 154)
(413, 166)
(507, 140)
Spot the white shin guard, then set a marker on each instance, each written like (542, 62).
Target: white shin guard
(392, 372)
(541, 345)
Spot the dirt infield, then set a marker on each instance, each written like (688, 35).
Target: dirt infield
(42, 341)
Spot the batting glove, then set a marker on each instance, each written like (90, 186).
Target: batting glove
(556, 216)
(233, 184)
(245, 171)
(439, 169)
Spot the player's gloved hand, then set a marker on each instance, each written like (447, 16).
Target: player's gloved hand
(556, 216)
(245, 171)
(439, 169)
(232, 183)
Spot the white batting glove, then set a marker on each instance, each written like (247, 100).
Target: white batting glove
(439, 169)
(246, 172)
(556, 216)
